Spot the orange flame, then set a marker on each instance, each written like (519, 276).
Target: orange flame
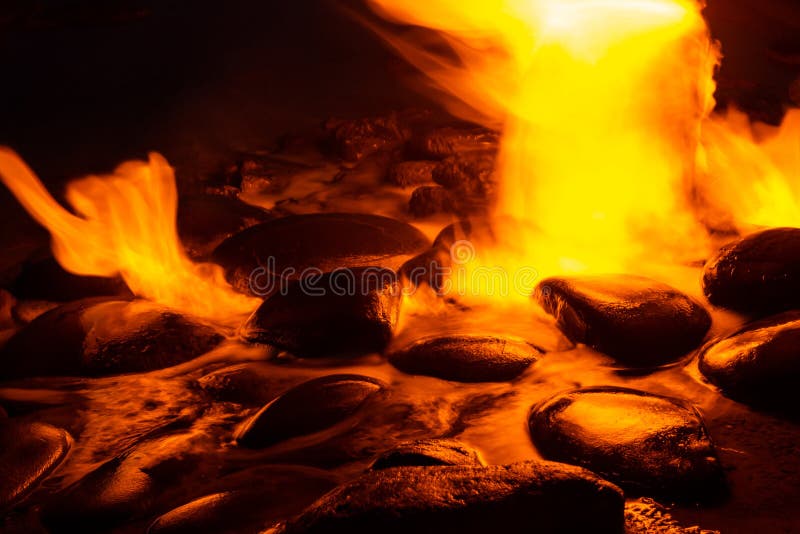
(126, 224)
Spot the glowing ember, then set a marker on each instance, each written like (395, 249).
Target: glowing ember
(126, 225)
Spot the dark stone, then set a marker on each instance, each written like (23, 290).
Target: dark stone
(759, 274)
(96, 337)
(29, 452)
(356, 139)
(264, 174)
(25, 311)
(310, 407)
(440, 143)
(7, 303)
(290, 246)
(344, 313)
(429, 200)
(249, 384)
(432, 266)
(635, 320)
(128, 487)
(262, 495)
(45, 279)
(759, 364)
(466, 358)
(646, 516)
(205, 221)
(428, 452)
(541, 496)
(411, 173)
(645, 443)
(471, 175)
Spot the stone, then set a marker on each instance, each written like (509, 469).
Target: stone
(98, 337)
(471, 175)
(7, 303)
(411, 173)
(345, 313)
(443, 142)
(648, 444)
(466, 358)
(428, 452)
(758, 274)
(759, 364)
(262, 495)
(543, 496)
(429, 200)
(256, 259)
(45, 279)
(635, 320)
(264, 174)
(29, 453)
(127, 487)
(250, 383)
(205, 221)
(354, 140)
(308, 408)
(646, 516)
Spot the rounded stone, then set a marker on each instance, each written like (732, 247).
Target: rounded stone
(759, 364)
(428, 452)
(29, 452)
(289, 247)
(544, 496)
(648, 444)
(96, 337)
(758, 274)
(308, 408)
(635, 320)
(466, 358)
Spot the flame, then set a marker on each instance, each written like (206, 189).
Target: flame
(126, 224)
(600, 102)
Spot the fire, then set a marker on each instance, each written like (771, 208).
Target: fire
(126, 224)
(600, 102)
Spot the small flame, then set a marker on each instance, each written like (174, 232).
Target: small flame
(126, 224)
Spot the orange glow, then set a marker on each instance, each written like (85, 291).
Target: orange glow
(600, 102)
(125, 224)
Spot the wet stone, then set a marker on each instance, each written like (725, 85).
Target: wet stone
(411, 173)
(345, 313)
(97, 337)
(429, 200)
(249, 384)
(308, 408)
(126, 488)
(29, 452)
(428, 452)
(471, 175)
(466, 358)
(514, 498)
(353, 140)
(205, 221)
(635, 320)
(262, 495)
(648, 444)
(45, 279)
(443, 142)
(759, 364)
(256, 259)
(758, 275)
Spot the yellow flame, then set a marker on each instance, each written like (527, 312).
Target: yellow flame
(126, 224)
(600, 102)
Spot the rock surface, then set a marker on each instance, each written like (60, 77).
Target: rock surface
(356, 139)
(96, 337)
(645, 443)
(466, 358)
(544, 496)
(758, 275)
(635, 320)
(344, 313)
(759, 364)
(429, 200)
(289, 246)
(411, 173)
(310, 407)
(446, 141)
(428, 452)
(29, 452)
